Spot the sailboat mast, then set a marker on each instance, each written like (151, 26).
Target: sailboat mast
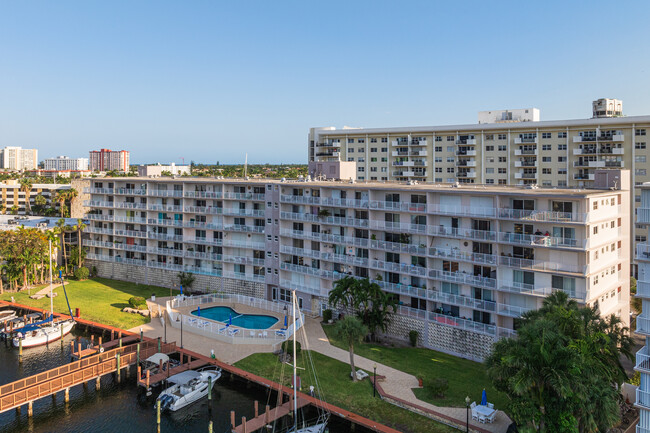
(295, 359)
(51, 297)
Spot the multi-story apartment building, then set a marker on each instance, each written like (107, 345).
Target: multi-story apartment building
(463, 262)
(64, 163)
(17, 158)
(561, 153)
(11, 194)
(108, 160)
(643, 320)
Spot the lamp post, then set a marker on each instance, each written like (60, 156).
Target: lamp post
(374, 384)
(178, 319)
(165, 326)
(467, 399)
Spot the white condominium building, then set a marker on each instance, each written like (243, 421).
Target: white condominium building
(464, 262)
(64, 163)
(12, 195)
(520, 151)
(17, 158)
(643, 320)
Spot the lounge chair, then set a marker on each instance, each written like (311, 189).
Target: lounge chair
(233, 332)
(280, 333)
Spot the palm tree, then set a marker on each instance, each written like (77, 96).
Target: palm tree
(3, 208)
(26, 186)
(61, 196)
(79, 227)
(350, 330)
(186, 279)
(71, 196)
(40, 202)
(14, 209)
(60, 230)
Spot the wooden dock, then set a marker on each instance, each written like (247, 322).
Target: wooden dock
(154, 379)
(26, 391)
(95, 349)
(269, 416)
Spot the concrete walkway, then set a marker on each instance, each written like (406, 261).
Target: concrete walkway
(397, 383)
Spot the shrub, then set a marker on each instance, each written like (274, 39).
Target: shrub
(439, 386)
(81, 273)
(287, 347)
(94, 269)
(413, 337)
(327, 315)
(138, 302)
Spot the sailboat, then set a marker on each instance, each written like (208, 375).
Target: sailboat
(319, 425)
(46, 331)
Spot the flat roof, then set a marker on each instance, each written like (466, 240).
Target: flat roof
(604, 121)
(33, 221)
(390, 185)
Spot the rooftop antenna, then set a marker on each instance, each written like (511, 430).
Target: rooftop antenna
(246, 166)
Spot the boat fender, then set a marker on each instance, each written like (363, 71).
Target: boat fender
(101, 350)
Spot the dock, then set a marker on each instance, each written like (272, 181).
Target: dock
(191, 364)
(95, 349)
(269, 416)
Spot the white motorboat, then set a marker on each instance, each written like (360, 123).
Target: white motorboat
(34, 335)
(187, 388)
(7, 315)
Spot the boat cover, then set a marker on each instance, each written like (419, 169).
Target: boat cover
(184, 377)
(157, 357)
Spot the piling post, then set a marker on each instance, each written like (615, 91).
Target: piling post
(257, 408)
(141, 334)
(67, 395)
(120, 343)
(137, 379)
(159, 348)
(112, 335)
(30, 409)
(117, 359)
(61, 335)
(210, 389)
(18, 410)
(210, 427)
(148, 374)
(98, 383)
(232, 419)
(137, 349)
(99, 341)
(243, 424)
(20, 350)
(158, 414)
(266, 414)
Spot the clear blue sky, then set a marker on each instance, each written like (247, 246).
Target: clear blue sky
(210, 81)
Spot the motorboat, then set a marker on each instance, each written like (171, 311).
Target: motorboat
(7, 315)
(188, 387)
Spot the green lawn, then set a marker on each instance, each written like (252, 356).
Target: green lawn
(100, 300)
(338, 389)
(465, 378)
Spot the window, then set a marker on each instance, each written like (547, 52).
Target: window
(450, 159)
(489, 148)
(546, 135)
(373, 140)
(450, 138)
(438, 138)
(351, 150)
(595, 204)
(438, 148)
(437, 159)
(489, 159)
(640, 171)
(489, 181)
(384, 149)
(561, 171)
(546, 159)
(561, 147)
(361, 150)
(489, 137)
(639, 132)
(450, 149)
(350, 140)
(561, 159)
(361, 140)
(350, 158)
(361, 159)
(503, 159)
(639, 145)
(547, 147)
(502, 182)
(561, 135)
(438, 169)
(373, 149)
(489, 170)
(561, 183)
(639, 158)
(384, 140)
(373, 168)
(546, 183)
(361, 169)
(502, 170)
(547, 171)
(384, 169)
(384, 159)
(374, 159)
(502, 148)
(438, 179)
(595, 230)
(501, 136)
(450, 169)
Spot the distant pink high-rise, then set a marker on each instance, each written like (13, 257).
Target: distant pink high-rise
(107, 160)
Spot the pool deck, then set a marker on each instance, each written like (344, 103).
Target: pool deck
(238, 307)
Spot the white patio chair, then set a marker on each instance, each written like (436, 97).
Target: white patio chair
(474, 414)
(490, 405)
(492, 417)
(473, 405)
(482, 419)
(252, 334)
(265, 334)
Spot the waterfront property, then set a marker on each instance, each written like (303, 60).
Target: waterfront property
(232, 317)
(505, 147)
(463, 262)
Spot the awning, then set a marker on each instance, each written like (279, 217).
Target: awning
(157, 357)
(184, 377)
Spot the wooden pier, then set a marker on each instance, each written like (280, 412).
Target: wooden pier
(111, 344)
(26, 391)
(154, 379)
(269, 416)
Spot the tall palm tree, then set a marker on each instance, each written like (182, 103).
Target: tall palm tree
(350, 330)
(71, 195)
(60, 230)
(61, 196)
(79, 227)
(26, 186)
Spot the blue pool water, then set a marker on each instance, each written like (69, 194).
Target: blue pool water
(248, 321)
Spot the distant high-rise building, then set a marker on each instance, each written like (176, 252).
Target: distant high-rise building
(605, 107)
(65, 163)
(17, 158)
(107, 160)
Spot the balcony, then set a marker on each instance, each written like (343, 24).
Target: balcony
(594, 138)
(397, 226)
(540, 240)
(400, 153)
(166, 251)
(398, 206)
(522, 152)
(127, 191)
(537, 265)
(642, 400)
(466, 174)
(526, 163)
(403, 163)
(243, 228)
(643, 289)
(98, 190)
(520, 140)
(244, 212)
(418, 142)
(98, 217)
(418, 153)
(542, 215)
(300, 287)
(202, 194)
(595, 164)
(643, 251)
(131, 233)
(643, 215)
(165, 193)
(512, 310)
(163, 207)
(463, 278)
(92, 203)
(404, 173)
(127, 205)
(643, 324)
(466, 153)
(166, 222)
(208, 210)
(244, 196)
(465, 163)
(467, 141)
(202, 255)
(642, 360)
(586, 176)
(585, 151)
(301, 199)
(98, 230)
(241, 244)
(165, 236)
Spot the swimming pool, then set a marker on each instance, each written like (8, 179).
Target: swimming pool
(248, 321)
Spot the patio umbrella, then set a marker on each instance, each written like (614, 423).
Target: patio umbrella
(181, 289)
(285, 320)
(198, 311)
(230, 319)
(484, 398)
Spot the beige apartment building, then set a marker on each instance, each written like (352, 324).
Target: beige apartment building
(514, 150)
(463, 261)
(17, 158)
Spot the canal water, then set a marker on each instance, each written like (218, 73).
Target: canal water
(120, 407)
